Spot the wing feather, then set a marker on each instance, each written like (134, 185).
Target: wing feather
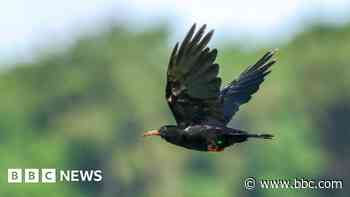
(193, 86)
(240, 90)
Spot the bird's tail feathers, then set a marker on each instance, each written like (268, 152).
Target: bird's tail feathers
(245, 135)
(261, 136)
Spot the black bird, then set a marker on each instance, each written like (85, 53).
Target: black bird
(193, 93)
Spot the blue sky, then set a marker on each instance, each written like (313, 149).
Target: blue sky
(28, 27)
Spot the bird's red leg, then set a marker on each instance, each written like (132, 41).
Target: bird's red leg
(213, 148)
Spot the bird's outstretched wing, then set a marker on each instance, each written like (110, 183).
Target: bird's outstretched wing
(240, 90)
(193, 88)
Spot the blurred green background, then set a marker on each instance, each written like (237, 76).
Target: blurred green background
(87, 106)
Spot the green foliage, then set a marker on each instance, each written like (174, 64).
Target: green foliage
(88, 106)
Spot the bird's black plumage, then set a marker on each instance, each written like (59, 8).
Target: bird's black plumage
(193, 94)
(240, 90)
(193, 87)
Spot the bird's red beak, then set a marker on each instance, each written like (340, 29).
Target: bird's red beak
(150, 133)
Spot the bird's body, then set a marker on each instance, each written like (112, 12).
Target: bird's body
(207, 137)
(200, 108)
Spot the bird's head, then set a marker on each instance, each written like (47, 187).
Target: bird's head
(163, 131)
(168, 132)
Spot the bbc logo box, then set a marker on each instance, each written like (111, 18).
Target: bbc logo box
(31, 175)
(14, 175)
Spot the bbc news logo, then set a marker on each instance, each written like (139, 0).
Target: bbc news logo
(51, 175)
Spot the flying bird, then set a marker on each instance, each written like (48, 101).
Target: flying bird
(200, 108)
